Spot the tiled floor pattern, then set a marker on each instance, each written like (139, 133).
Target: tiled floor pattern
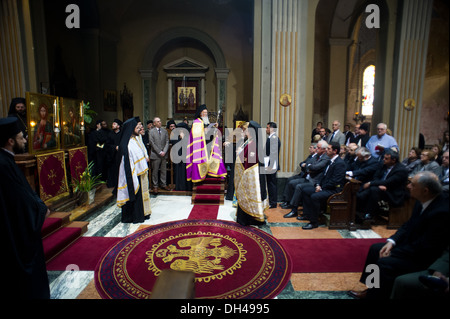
(106, 222)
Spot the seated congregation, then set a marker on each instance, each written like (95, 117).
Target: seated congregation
(366, 182)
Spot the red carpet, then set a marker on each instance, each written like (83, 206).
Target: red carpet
(204, 212)
(328, 255)
(230, 261)
(59, 240)
(85, 253)
(209, 189)
(50, 225)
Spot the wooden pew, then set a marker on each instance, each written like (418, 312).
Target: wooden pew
(342, 209)
(399, 215)
(342, 206)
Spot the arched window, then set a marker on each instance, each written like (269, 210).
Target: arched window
(368, 90)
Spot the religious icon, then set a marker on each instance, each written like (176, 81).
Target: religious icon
(72, 122)
(43, 122)
(240, 124)
(186, 96)
(409, 104)
(285, 100)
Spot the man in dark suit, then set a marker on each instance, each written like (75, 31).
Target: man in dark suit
(272, 163)
(315, 170)
(364, 168)
(388, 185)
(416, 245)
(364, 135)
(332, 182)
(294, 180)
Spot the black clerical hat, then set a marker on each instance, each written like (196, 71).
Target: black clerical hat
(199, 110)
(169, 123)
(14, 102)
(9, 127)
(118, 121)
(364, 126)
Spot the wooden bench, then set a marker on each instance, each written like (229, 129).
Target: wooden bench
(399, 215)
(342, 206)
(342, 209)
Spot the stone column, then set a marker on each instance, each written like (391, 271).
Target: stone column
(148, 94)
(284, 54)
(169, 98)
(13, 55)
(222, 79)
(202, 91)
(409, 72)
(338, 80)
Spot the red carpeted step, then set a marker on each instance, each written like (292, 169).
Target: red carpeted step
(213, 180)
(62, 238)
(50, 225)
(205, 199)
(209, 189)
(59, 240)
(53, 222)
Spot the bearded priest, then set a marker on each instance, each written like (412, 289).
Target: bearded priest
(204, 159)
(133, 189)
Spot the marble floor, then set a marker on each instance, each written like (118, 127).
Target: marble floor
(105, 222)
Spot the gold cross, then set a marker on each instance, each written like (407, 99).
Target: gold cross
(52, 176)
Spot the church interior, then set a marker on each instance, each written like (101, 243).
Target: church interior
(352, 61)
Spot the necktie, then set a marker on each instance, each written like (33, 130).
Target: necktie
(332, 135)
(326, 170)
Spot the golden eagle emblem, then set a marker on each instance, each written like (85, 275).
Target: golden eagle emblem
(203, 256)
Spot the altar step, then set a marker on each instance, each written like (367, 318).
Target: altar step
(209, 192)
(58, 232)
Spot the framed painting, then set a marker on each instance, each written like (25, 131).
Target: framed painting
(43, 123)
(110, 100)
(187, 96)
(71, 123)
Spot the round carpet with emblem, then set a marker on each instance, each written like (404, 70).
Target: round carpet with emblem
(229, 261)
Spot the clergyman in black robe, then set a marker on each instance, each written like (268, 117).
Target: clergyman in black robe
(112, 154)
(100, 136)
(23, 270)
(181, 183)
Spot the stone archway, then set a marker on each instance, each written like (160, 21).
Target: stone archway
(152, 58)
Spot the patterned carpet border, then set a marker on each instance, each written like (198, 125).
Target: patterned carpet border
(230, 261)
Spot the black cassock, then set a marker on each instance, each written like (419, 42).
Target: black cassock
(181, 183)
(113, 158)
(23, 270)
